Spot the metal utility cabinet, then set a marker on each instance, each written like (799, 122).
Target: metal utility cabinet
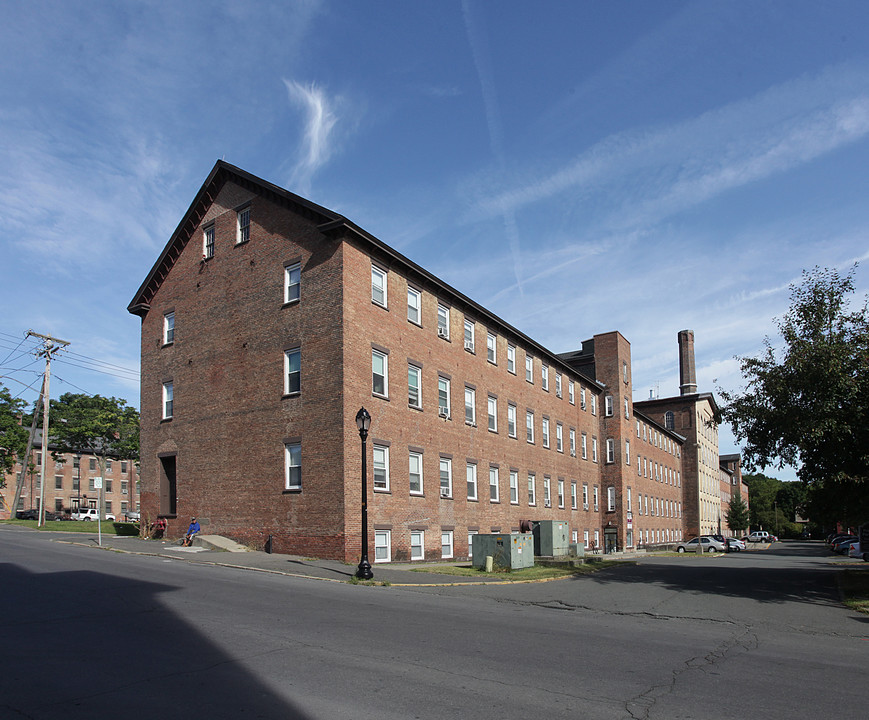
(508, 550)
(550, 538)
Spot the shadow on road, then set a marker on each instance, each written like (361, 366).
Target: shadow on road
(88, 645)
(735, 575)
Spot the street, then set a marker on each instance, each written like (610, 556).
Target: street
(89, 633)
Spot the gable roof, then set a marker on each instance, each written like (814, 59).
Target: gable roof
(331, 224)
(217, 178)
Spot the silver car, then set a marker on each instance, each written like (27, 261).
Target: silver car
(709, 544)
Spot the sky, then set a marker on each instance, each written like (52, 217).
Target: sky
(575, 167)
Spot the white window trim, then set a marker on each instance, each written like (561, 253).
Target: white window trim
(379, 536)
(471, 480)
(441, 378)
(471, 393)
(242, 231)
(383, 277)
(450, 553)
(419, 456)
(385, 393)
(287, 355)
(414, 296)
(496, 485)
(384, 449)
(168, 400)
(289, 484)
(492, 413)
(448, 463)
(414, 370)
(421, 545)
(288, 284)
(169, 328)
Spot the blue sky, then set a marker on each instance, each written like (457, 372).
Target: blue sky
(576, 167)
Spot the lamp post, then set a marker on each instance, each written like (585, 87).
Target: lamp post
(363, 422)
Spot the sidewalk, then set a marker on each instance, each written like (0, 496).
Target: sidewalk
(292, 565)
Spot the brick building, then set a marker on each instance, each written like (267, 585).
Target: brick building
(71, 484)
(268, 321)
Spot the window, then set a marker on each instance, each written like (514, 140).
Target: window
(92, 462)
(669, 420)
(610, 450)
(608, 406)
(585, 496)
(125, 487)
(624, 372)
(382, 546)
(627, 452)
(511, 358)
(168, 401)
(639, 503)
(594, 404)
(560, 493)
(417, 545)
(596, 497)
(547, 500)
(415, 472)
(571, 392)
(559, 437)
(292, 371)
(491, 348)
(293, 463)
(584, 441)
(572, 435)
(169, 328)
(573, 494)
(494, 493)
(443, 397)
(493, 413)
(582, 404)
(558, 384)
(414, 386)
(446, 477)
(414, 303)
(514, 487)
(243, 234)
(58, 482)
(471, 476)
(532, 495)
(208, 243)
(545, 432)
(529, 426)
(470, 406)
(443, 321)
(292, 282)
(446, 543)
(381, 467)
(627, 409)
(544, 377)
(469, 335)
(594, 449)
(471, 534)
(585, 538)
(511, 420)
(610, 499)
(378, 285)
(379, 373)
(529, 368)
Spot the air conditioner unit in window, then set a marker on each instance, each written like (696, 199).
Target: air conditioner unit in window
(445, 492)
(444, 413)
(547, 504)
(585, 506)
(469, 345)
(443, 332)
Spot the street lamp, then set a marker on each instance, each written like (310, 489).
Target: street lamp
(363, 422)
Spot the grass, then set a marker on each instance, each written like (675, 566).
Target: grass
(538, 572)
(107, 527)
(855, 588)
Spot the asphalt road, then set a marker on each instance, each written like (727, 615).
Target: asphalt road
(95, 634)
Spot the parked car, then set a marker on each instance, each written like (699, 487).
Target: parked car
(759, 536)
(842, 545)
(85, 514)
(132, 516)
(708, 543)
(855, 551)
(33, 514)
(735, 544)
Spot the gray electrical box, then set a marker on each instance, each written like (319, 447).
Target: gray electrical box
(508, 550)
(550, 538)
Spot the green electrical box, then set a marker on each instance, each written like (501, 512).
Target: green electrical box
(508, 550)
(550, 538)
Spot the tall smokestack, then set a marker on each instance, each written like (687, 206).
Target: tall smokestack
(687, 374)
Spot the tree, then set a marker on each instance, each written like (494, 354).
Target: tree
(737, 514)
(808, 405)
(105, 427)
(13, 435)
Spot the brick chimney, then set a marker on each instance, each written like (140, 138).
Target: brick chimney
(687, 374)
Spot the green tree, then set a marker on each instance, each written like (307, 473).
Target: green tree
(808, 405)
(13, 435)
(106, 427)
(737, 514)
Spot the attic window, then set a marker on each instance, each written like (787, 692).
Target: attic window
(243, 226)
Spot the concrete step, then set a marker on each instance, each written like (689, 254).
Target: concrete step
(218, 542)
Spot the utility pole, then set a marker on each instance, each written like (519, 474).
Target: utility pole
(50, 345)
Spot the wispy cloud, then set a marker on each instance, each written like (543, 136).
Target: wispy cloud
(664, 170)
(320, 119)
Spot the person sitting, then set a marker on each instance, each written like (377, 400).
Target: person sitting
(158, 528)
(192, 530)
